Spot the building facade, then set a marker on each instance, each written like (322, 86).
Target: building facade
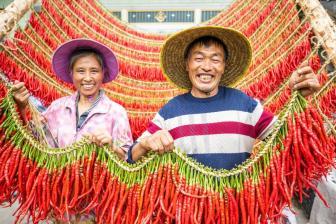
(165, 16)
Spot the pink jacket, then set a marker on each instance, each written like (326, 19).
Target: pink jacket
(107, 115)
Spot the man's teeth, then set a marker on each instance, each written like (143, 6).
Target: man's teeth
(205, 77)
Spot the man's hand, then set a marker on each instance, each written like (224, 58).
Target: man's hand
(20, 94)
(304, 80)
(160, 142)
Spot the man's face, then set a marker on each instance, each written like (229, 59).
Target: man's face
(205, 65)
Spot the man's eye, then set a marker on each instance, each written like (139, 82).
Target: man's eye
(216, 59)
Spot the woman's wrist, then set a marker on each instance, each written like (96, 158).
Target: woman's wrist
(144, 145)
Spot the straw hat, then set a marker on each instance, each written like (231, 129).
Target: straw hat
(62, 55)
(174, 49)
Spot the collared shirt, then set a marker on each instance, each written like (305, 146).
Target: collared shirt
(80, 119)
(106, 115)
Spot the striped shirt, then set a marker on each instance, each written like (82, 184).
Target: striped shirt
(218, 131)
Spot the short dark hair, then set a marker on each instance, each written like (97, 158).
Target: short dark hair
(206, 41)
(80, 53)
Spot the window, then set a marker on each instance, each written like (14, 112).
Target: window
(206, 15)
(117, 14)
(161, 16)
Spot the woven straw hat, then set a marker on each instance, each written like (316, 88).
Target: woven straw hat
(174, 49)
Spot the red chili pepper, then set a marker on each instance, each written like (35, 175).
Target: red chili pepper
(233, 205)
(169, 185)
(47, 196)
(32, 195)
(297, 156)
(113, 196)
(88, 172)
(55, 188)
(94, 201)
(106, 200)
(193, 195)
(226, 208)
(144, 194)
(6, 153)
(210, 216)
(123, 197)
(221, 209)
(136, 197)
(65, 192)
(267, 190)
(321, 134)
(308, 131)
(164, 209)
(252, 202)
(256, 213)
(153, 192)
(21, 177)
(14, 164)
(283, 183)
(201, 207)
(30, 181)
(313, 144)
(261, 202)
(217, 215)
(175, 191)
(274, 196)
(8, 167)
(75, 172)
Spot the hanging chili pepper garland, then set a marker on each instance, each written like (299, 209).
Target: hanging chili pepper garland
(162, 189)
(83, 178)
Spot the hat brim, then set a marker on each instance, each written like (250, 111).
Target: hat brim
(61, 59)
(173, 52)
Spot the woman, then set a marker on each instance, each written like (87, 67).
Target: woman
(86, 64)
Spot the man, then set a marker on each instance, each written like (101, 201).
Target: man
(214, 124)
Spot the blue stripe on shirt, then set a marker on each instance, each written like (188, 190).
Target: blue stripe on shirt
(230, 99)
(221, 160)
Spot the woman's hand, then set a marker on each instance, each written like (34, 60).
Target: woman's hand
(102, 137)
(304, 80)
(20, 94)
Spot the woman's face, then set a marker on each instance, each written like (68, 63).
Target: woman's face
(87, 76)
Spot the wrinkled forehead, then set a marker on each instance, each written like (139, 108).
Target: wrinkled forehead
(212, 49)
(88, 54)
(89, 60)
(206, 43)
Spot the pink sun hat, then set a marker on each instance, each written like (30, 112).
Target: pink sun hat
(62, 55)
